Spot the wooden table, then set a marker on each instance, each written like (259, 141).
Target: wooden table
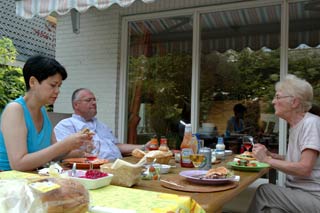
(211, 202)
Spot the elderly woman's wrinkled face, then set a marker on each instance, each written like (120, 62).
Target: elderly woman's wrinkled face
(282, 104)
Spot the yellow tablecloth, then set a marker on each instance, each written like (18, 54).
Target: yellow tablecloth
(142, 200)
(129, 198)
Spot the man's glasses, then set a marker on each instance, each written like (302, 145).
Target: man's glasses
(277, 97)
(89, 100)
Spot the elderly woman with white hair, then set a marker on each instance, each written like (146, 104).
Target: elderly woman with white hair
(292, 101)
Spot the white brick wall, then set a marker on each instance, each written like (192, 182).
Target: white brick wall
(92, 57)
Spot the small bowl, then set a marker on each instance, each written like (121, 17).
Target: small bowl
(163, 168)
(228, 152)
(90, 183)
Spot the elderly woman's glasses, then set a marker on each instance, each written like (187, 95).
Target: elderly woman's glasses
(277, 97)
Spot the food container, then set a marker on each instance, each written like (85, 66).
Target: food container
(163, 168)
(90, 183)
(124, 175)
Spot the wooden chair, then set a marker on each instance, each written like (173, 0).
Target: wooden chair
(55, 117)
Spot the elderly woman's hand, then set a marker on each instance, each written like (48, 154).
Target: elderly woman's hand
(260, 152)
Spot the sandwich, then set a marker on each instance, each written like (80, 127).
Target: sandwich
(218, 173)
(246, 156)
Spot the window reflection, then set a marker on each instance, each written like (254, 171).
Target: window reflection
(240, 62)
(304, 53)
(159, 78)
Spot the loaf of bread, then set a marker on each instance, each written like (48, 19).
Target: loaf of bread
(70, 197)
(22, 195)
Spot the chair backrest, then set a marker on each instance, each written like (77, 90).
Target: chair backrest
(55, 117)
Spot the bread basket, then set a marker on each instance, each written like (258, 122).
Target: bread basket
(161, 160)
(160, 156)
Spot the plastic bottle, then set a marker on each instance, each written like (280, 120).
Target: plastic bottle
(220, 147)
(186, 147)
(163, 144)
(154, 143)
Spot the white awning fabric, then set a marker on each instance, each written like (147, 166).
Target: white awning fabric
(43, 8)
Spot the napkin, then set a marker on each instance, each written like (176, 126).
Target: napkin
(237, 178)
(118, 163)
(54, 170)
(102, 209)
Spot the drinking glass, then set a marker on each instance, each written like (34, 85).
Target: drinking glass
(197, 160)
(247, 142)
(92, 151)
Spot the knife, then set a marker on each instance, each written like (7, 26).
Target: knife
(171, 182)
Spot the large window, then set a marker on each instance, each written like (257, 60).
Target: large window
(240, 63)
(240, 58)
(304, 44)
(159, 78)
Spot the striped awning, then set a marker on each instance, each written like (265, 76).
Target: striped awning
(43, 8)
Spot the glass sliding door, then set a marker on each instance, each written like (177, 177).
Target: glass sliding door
(304, 44)
(159, 78)
(240, 63)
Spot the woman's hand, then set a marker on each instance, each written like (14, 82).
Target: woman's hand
(260, 152)
(75, 141)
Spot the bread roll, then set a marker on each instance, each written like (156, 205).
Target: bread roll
(138, 153)
(158, 154)
(86, 131)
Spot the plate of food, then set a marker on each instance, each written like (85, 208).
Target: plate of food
(215, 176)
(83, 163)
(247, 165)
(246, 156)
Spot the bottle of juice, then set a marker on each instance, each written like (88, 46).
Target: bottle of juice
(163, 144)
(154, 145)
(186, 147)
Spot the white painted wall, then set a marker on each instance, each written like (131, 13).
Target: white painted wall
(92, 57)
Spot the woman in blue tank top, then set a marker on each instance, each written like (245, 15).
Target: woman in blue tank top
(26, 137)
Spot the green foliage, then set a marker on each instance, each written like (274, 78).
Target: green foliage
(166, 84)
(246, 75)
(11, 78)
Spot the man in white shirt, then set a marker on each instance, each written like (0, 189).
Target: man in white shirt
(84, 104)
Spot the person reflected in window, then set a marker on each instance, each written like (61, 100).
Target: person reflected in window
(301, 165)
(84, 104)
(236, 123)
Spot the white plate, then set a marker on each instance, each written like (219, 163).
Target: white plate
(195, 176)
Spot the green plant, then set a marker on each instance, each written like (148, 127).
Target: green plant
(11, 78)
(165, 82)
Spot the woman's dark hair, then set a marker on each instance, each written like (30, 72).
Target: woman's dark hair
(41, 68)
(239, 108)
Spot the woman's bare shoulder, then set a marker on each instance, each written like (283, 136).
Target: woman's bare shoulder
(12, 109)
